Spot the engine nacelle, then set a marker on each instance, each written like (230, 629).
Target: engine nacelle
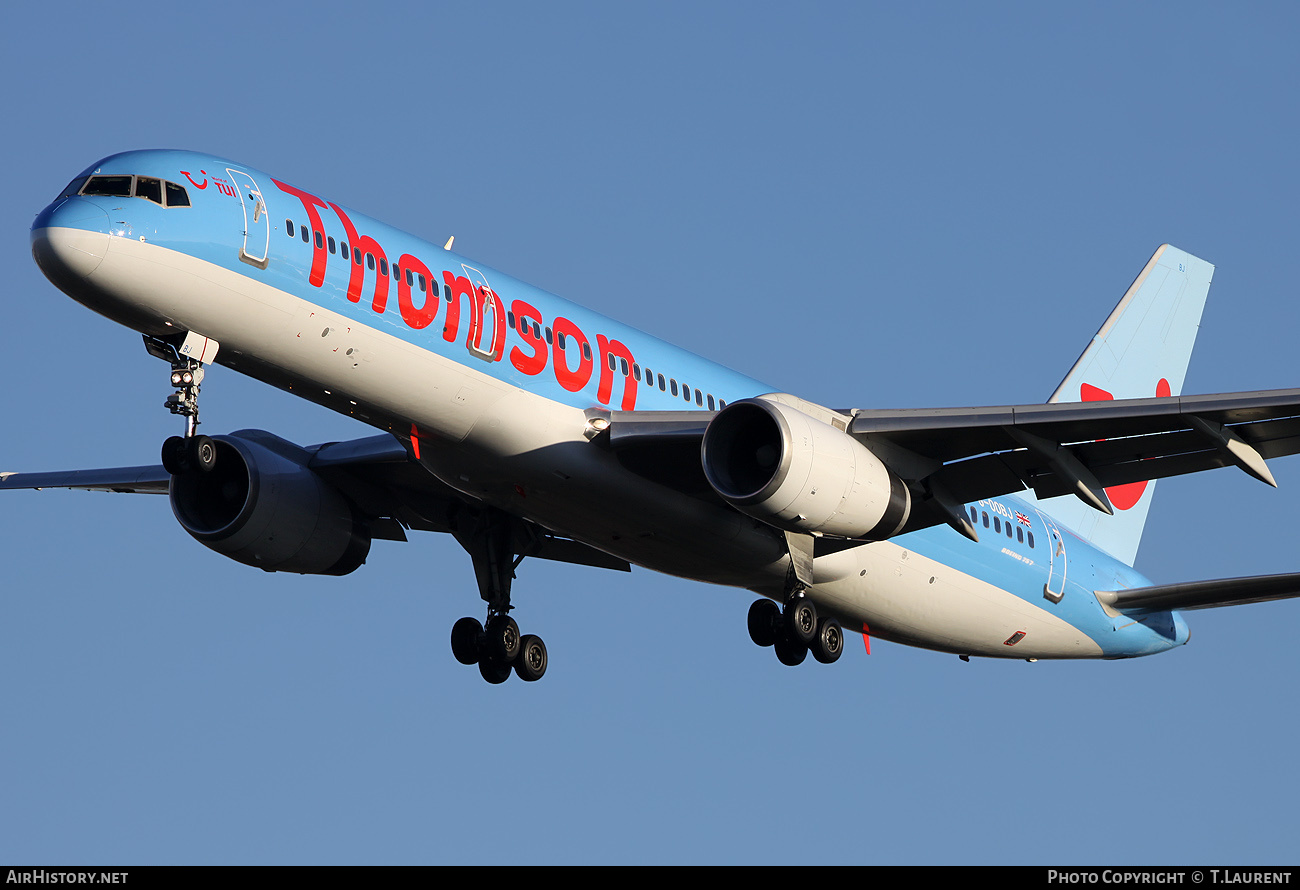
(264, 508)
(795, 472)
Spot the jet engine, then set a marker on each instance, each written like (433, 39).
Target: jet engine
(796, 473)
(262, 506)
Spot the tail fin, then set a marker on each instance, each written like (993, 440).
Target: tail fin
(1141, 351)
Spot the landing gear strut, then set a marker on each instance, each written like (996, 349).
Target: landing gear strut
(496, 645)
(191, 452)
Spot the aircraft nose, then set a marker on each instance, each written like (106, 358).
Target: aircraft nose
(70, 239)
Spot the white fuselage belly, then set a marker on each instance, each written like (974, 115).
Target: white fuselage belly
(527, 454)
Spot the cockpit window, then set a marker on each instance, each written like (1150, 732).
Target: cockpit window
(176, 195)
(113, 186)
(150, 188)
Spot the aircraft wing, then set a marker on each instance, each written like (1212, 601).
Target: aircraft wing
(391, 489)
(954, 456)
(1203, 594)
(131, 480)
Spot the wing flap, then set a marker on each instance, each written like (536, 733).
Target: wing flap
(952, 433)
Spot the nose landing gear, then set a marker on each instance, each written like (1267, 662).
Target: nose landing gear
(191, 452)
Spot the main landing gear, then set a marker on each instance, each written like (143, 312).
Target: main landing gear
(496, 645)
(191, 452)
(795, 631)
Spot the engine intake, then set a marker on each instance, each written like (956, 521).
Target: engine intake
(264, 508)
(797, 473)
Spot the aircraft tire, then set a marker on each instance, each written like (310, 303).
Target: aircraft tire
(790, 651)
(531, 663)
(764, 622)
(501, 639)
(201, 453)
(175, 456)
(828, 645)
(467, 640)
(494, 671)
(801, 620)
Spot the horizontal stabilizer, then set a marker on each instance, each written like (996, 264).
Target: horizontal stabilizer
(1203, 594)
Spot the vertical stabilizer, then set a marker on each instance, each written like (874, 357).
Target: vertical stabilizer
(1141, 351)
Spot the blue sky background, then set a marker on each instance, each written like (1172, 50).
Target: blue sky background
(867, 205)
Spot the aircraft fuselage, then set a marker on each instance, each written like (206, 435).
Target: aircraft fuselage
(493, 384)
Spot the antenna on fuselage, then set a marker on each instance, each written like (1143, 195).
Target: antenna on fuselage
(447, 246)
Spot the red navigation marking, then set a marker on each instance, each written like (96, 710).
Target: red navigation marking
(415, 442)
(866, 637)
(1123, 497)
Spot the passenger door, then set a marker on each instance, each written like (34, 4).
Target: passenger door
(257, 228)
(1054, 589)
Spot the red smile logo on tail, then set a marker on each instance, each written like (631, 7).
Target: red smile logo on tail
(1122, 497)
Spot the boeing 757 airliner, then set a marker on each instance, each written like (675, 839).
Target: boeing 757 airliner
(530, 427)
